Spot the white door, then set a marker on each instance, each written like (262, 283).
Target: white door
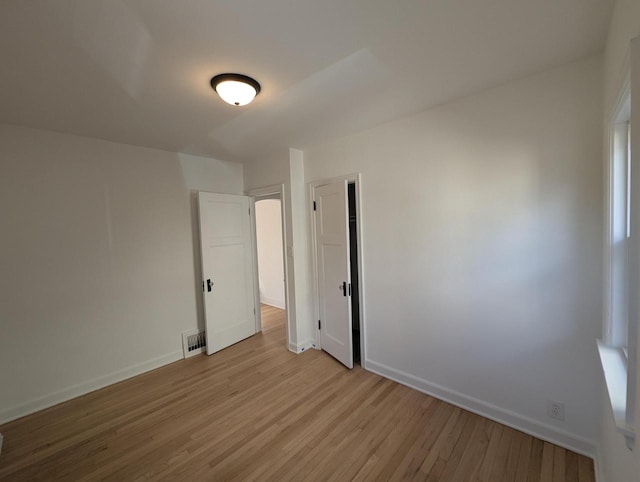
(227, 269)
(332, 255)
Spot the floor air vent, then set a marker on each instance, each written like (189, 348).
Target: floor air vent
(193, 342)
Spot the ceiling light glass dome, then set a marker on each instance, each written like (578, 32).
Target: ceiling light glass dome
(235, 89)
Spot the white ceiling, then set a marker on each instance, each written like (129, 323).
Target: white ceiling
(137, 71)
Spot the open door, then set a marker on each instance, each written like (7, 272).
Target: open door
(227, 269)
(334, 277)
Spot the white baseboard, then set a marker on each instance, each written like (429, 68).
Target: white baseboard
(506, 417)
(300, 347)
(83, 388)
(272, 302)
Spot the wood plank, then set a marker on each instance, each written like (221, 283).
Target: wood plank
(434, 454)
(535, 462)
(558, 464)
(435, 420)
(513, 456)
(255, 411)
(546, 467)
(471, 458)
(571, 467)
(499, 467)
(585, 469)
(484, 474)
(524, 458)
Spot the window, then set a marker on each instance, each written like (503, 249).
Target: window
(617, 349)
(617, 326)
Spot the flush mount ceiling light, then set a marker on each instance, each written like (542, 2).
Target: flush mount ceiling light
(235, 89)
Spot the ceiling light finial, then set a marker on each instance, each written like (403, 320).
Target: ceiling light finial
(235, 89)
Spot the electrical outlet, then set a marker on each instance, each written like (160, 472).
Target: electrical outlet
(555, 409)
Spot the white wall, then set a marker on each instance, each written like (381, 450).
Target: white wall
(300, 237)
(287, 168)
(482, 224)
(210, 175)
(269, 246)
(97, 259)
(616, 462)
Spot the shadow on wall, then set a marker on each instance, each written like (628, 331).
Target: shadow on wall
(197, 258)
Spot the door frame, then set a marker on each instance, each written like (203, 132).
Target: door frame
(275, 191)
(355, 178)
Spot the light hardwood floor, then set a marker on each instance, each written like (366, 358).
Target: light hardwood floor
(273, 319)
(258, 412)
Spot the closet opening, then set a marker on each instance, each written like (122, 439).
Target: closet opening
(353, 261)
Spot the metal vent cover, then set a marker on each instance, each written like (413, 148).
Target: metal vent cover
(193, 342)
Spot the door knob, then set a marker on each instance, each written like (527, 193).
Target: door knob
(209, 285)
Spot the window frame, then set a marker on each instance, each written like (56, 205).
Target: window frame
(618, 347)
(618, 229)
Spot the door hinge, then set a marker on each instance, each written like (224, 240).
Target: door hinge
(319, 325)
(249, 211)
(314, 205)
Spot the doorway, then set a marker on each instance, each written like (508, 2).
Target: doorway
(337, 234)
(269, 248)
(272, 292)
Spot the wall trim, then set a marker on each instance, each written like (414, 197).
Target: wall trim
(272, 302)
(83, 388)
(488, 410)
(300, 347)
